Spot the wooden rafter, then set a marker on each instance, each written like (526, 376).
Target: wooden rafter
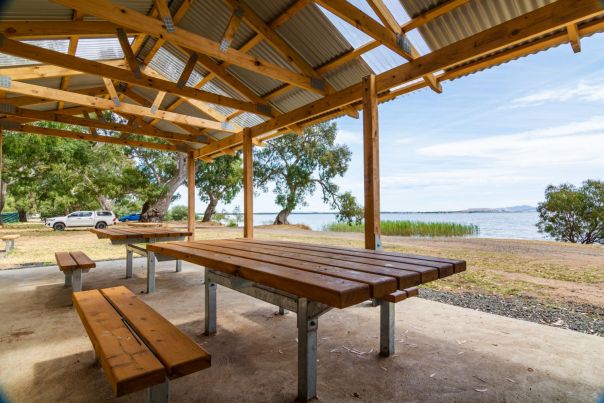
(128, 53)
(575, 39)
(101, 139)
(545, 19)
(129, 18)
(231, 29)
(86, 121)
(86, 100)
(52, 29)
(31, 52)
(384, 14)
(71, 50)
(433, 13)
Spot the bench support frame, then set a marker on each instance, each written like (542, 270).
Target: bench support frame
(159, 393)
(132, 248)
(386, 328)
(308, 321)
(73, 278)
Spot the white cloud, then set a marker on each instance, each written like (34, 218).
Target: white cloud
(349, 137)
(581, 91)
(573, 143)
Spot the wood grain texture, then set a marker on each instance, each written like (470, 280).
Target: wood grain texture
(128, 364)
(177, 352)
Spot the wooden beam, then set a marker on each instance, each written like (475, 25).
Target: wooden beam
(128, 53)
(31, 52)
(56, 30)
(60, 95)
(47, 70)
(164, 13)
(186, 72)
(129, 18)
(231, 29)
(371, 161)
(432, 14)
(157, 101)
(573, 36)
(101, 139)
(548, 18)
(111, 90)
(384, 14)
(50, 116)
(248, 185)
(289, 13)
(366, 24)
(191, 195)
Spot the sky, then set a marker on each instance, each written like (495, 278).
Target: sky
(492, 139)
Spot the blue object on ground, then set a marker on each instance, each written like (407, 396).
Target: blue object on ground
(130, 217)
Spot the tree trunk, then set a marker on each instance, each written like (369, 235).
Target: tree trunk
(3, 188)
(282, 217)
(210, 210)
(156, 211)
(105, 202)
(22, 215)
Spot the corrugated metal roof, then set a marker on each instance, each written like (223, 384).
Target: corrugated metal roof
(471, 18)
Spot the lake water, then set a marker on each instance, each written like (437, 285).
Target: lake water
(491, 225)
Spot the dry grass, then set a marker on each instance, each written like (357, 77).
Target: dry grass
(546, 270)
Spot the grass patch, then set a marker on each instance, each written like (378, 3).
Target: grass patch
(411, 228)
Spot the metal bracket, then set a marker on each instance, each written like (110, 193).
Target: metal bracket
(403, 42)
(116, 101)
(225, 45)
(5, 81)
(227, 126)
(169, 24)
(317, 83)
(153, 109)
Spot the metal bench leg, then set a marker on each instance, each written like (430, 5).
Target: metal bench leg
(178, 266)
(76, 280)
(67, 278)
(210, 306)
(129, 257)
(386, 328)
(307, 352)
(281, 310)
(159, 393)
(150, 272)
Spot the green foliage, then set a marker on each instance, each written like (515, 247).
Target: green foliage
(411, 228)
(350, 211)
(573, 214)
(297, 165)
(220, 180)
(178, 213)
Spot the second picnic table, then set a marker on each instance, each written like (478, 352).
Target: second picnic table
(133, 237)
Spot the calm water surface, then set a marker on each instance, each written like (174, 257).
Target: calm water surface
(491, 225)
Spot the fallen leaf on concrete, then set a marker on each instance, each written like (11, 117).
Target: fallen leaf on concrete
(433, 375)
(461, 341)
(510, 380)
(530, 369)
(460, 353)
(384, 368)
(480, 379)
(480, 389)
(355, 394)
(280, 352)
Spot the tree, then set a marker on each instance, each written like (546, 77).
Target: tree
(350, 211)
(297, 165)
(220, 180)
(572, 214)
(178, 213)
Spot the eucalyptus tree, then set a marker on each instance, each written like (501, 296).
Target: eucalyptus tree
(220, 180)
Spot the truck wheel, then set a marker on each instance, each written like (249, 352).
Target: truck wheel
(100, 225)
(58, 226)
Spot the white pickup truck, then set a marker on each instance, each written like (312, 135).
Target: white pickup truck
(96, 219)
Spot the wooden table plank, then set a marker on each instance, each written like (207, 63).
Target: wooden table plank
(460, 265)
(380, 285)
(128, 364)
(82, 260)
(428, 273)
(332, 291)
(65, 261)
(134, 233)
(405, 278)
(177, 352)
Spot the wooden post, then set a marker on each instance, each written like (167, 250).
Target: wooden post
(191, 194)
(1, 184)
(248, 186)
(372, 164)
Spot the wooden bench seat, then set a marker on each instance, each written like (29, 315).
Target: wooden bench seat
(9, 242)
(73, 264)
(130, 365)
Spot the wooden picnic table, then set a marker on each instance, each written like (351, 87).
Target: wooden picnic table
(133, 237)
(310, 280)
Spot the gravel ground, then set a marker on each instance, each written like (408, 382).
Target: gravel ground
(579, 317)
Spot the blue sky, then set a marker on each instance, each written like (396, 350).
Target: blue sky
(492, 139)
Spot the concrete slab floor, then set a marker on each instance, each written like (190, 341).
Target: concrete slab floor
(444, 353)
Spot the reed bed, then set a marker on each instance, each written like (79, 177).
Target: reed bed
(411, 228)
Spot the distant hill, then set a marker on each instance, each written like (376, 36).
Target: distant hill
(513, 209)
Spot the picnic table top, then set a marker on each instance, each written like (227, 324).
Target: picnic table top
(138, 233)
(335, 276)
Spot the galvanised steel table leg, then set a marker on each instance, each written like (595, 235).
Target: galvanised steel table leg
(129, 263)
(210, 305)
(178, 266)
(150, 272)
(76, 280)
(281, 311)
(307, 351)
(386, 328)
(159, 393)
(68, 276)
